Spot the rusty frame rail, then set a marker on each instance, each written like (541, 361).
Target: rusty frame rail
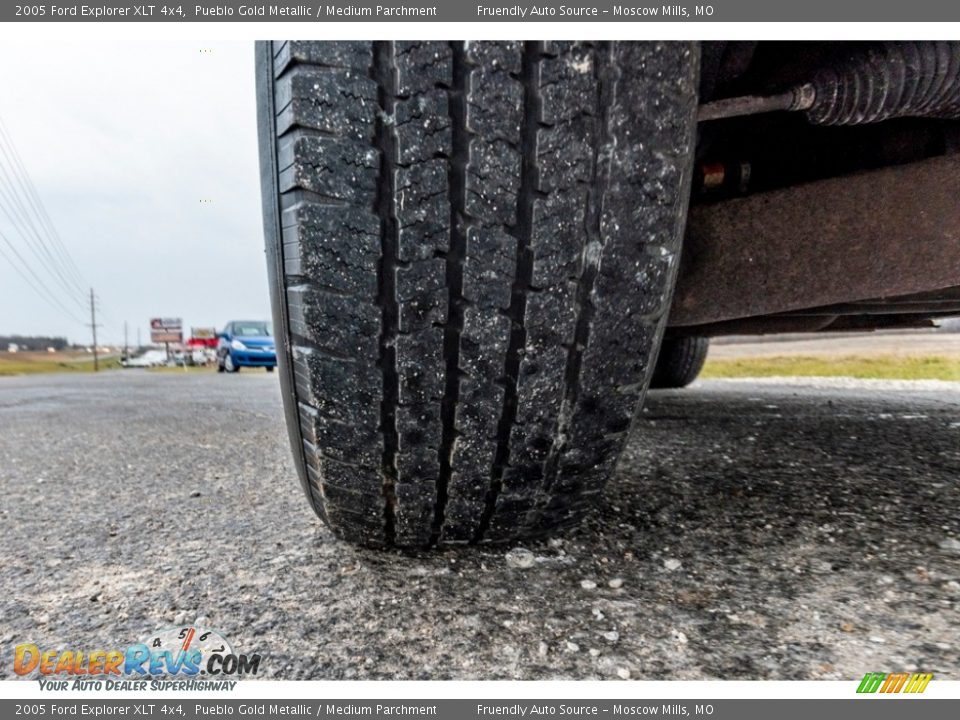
(876, 234)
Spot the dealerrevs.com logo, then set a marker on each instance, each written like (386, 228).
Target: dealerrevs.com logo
(176, 658)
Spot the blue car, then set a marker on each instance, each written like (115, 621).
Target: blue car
(246, 343)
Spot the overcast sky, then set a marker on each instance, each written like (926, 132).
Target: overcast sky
(123, 141)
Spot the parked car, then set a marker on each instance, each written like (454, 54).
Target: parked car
(477, 251)
(150, 358)
(202, 356)
(246, 343)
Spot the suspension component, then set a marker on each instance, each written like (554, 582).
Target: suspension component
(799, 98)
(878, 82)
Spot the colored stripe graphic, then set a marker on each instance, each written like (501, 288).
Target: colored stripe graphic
(871, 682)
(918, 683)
(894, 682)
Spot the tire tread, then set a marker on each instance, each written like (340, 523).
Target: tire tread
(464, 226)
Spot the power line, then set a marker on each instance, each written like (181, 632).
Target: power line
(40, 210)
(28, 216)
(49, 297)
(23, 218)
(16, 221)
(27, 280)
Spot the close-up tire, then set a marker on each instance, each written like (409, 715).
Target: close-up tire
(472, 249)
(680, 361)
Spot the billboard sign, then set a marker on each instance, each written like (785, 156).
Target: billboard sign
(166, 330)
(203, 333)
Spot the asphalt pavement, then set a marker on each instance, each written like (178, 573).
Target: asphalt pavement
(756, 530)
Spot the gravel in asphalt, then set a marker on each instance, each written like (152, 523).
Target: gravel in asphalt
(756, 530)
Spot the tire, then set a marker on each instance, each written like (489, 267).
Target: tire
(229, 365)
(269, 368)
(472, 250)
(680, 361)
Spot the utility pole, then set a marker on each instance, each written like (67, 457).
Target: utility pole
(126, 345)
(93, 327)
(139, 344)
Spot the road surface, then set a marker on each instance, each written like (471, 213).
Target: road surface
(768, 530)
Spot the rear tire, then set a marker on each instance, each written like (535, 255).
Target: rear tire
(680, 361)
(472, 250)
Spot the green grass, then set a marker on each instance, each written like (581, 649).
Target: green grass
(885, 367)
(882, 367)
(30, 364)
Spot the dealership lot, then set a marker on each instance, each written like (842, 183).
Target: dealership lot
(757, 530)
